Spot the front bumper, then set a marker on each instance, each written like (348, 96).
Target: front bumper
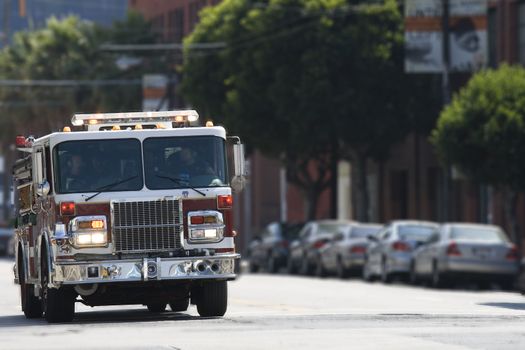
(147, 269)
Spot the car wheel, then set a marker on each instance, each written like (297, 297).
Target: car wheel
(58, 304)
(366, 274)
(320, 270)
(253, 267)
(179, 304)
(342, 271)
(272, 264)
(438, 278)
(290, 266)
(305, 267)
(413, 279)
(212, 299)
(31, 305)
(386, 277)
(156, 307)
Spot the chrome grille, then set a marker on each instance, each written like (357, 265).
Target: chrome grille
(145, 226)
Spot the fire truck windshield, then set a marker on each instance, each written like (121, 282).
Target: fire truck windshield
(92, 165)
(184, 162)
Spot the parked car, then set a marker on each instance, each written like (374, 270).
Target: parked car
(304, 251)
(7, 241)
(345, 253)
(270, 248)
(475, 251)
(390, 252)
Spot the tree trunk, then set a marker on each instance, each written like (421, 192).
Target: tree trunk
(334, 159)
(511, 201)
(312, 198)
(360, 185)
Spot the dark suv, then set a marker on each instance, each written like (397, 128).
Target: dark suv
(270, 248)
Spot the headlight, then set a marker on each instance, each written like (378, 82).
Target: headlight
(89, 231)
(205, 226)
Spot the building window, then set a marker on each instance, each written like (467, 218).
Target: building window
(194, 9)
(521, 32)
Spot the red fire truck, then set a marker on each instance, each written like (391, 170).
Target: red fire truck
(132, 208)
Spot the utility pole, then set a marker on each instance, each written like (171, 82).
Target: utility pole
(445, 30)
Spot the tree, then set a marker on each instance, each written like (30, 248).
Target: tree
(294, 78)
(67, 49)
(482, 133)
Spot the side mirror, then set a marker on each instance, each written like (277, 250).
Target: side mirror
(239, 177)
(372, 238)
(43, 188)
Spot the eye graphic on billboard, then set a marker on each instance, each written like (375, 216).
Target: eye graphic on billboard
(468, 44)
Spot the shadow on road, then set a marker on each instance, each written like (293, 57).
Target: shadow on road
(100, 317)
(512, 306)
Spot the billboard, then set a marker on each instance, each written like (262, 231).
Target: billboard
(424, 38)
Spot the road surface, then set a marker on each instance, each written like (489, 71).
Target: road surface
(284, 312)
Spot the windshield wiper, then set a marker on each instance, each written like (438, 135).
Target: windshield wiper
(181, 183)
(110, 186)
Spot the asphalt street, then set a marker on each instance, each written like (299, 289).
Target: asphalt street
(284, 312)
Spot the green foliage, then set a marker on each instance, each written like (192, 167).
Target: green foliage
(294, 66)
(482, 131)
(67, 49)
(299, 79)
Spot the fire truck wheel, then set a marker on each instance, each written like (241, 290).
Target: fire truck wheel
(31, 305)
(180, 305)
(156, 307)
(212, 299)
(58, 305)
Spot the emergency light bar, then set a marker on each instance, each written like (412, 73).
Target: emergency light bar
(135, 117)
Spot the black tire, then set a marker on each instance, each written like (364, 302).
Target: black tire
(342, 271)
(253, 267)
(212, 299)
(305, 269)
(58, 305)
(179, 305)
(31, 305)
(508, 284)
(438, 279)
(290, 267)
(156, 307)
(385, 276)
(272, 266)
(412, 277)
(320, 270)
(365, 273)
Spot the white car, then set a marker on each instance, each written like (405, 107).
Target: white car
(478, 252)
(345, 254)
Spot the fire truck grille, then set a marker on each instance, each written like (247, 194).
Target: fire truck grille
(146, 226)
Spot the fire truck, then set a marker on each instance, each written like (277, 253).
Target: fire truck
(127, 208)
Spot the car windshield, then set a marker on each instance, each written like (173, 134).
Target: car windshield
(363, 231)
(179, 162)
(477, 234)
(332, 228)
(415, 232)
(94, 165)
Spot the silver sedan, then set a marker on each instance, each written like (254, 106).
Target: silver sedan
(345, 253)
(390, 251)
(474, 251)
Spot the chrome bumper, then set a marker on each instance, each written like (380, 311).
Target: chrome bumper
(147, 269)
